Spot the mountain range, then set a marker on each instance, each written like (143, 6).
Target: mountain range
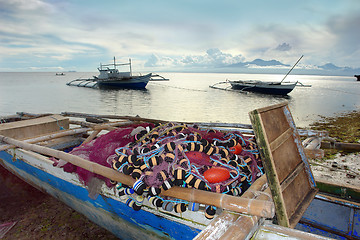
(274, 66)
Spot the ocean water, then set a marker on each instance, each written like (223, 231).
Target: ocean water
(186, 97)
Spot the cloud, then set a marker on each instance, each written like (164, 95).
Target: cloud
(46, 68)
(213, 57)
(15, 6)
(210, 36)
(283, 47)
(156, 61)
(216, 60)
(346, 28)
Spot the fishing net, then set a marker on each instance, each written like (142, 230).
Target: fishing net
(161, 156)
(100, 149)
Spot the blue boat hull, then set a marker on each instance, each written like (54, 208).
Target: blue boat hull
(107, 212)
(130, 83)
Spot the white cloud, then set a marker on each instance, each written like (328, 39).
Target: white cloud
(213, 57)
(25, 5)
(155, 61)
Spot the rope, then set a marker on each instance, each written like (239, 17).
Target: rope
(258, 193)
(189, 89)
(336, 90)
(57, 122)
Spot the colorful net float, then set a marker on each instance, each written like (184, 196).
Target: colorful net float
(159, 157)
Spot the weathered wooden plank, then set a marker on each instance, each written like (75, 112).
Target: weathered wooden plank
(272, 107)
(292, 176)
(295, 193)
(34, 127)
(287, 158)
(281, 139)
(301, 208)
(275, 123)
(271, 173)
(289, 175)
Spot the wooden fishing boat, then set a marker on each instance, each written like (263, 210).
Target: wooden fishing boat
(275, 88)
(264, 87)
(35, 154)
(111, 78)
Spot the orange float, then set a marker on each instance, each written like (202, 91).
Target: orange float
(216, 174)
(237, 149)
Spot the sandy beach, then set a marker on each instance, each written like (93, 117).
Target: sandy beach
(344, 169)
(339, 166)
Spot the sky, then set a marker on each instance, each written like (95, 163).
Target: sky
(182, 35)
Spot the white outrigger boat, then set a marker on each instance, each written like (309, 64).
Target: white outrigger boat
(111, 78)
(33, 150)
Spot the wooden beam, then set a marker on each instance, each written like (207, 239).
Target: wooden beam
(292, 176)
(281, 139)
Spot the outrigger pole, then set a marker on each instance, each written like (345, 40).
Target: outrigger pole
(130, 67)
(292, 68)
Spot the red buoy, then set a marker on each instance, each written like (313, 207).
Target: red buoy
(236, 149)
(216, 175)
(199, 158)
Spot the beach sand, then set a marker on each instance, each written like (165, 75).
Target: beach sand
(339, 166)
(344, 169)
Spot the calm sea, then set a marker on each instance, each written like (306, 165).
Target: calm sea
(186, 97)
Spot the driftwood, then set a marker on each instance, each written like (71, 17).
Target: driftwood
(341, 146)
(227, 202)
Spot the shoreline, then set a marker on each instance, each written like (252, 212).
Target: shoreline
(339, 166)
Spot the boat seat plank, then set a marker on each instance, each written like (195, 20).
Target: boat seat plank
(287, 169)
(34, 127)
